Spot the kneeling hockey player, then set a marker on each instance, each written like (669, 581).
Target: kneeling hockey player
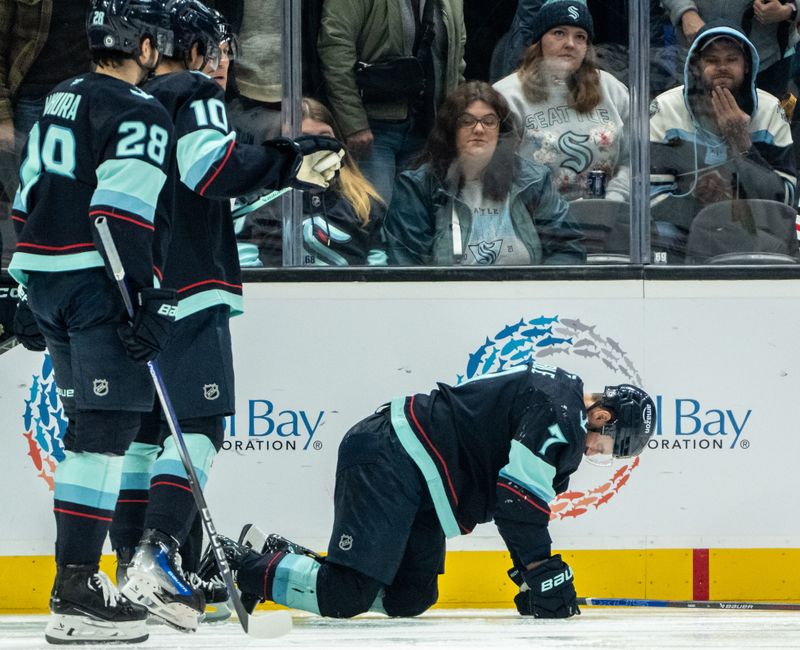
(431, 466)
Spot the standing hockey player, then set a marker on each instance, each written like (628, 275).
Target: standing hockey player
(196, 253)
(431, 466)
(101, 147)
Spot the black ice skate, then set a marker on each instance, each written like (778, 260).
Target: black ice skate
(215, 594)
(156, 581)
(234, 552)
(85, 607)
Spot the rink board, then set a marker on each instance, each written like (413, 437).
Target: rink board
(689, 518)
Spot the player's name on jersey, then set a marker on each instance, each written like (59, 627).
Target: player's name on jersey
(64, 105)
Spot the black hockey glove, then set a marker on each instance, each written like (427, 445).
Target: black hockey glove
(25, 327)
(149, 333)
(548, 591)
(322, 158)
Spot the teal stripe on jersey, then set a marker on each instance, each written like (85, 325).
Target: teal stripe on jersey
(125, 201)
(30, 170)
(89, 479)
(198, 151)
(201, 451)
(138, 465)
(414, 447)
(530, 471)
(23, 262)
(136, 180)
(206, 299)
(295, 583)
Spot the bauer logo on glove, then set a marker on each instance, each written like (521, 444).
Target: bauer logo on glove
(548, 591)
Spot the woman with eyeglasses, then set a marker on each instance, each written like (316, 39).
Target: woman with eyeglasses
(573, 115)
(473, 200)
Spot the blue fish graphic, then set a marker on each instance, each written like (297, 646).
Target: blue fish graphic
(41, 438)
(535, 332)
(509, 330)
(28, 416)
(475, 358)
(489, 361)
(543, 320)
(34, 387)
(44, 409)
(513, 345)
(552, 340)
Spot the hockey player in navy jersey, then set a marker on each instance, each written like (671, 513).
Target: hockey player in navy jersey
(431, 466)
(101, 147)
(196, 253)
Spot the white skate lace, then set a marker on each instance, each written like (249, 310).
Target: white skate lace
(110, 593)
(198, 583)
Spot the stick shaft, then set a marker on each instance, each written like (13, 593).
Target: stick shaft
(690, 604)
(119, 274)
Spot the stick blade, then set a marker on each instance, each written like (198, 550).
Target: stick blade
(269, 625)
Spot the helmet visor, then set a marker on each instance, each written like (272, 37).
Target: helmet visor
(599, 446)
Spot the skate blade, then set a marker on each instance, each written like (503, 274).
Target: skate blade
(141, 590)
(216, 613)
(66, 629)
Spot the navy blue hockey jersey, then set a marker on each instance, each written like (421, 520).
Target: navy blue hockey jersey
(101, 147)
(195, 248)
(498, 446)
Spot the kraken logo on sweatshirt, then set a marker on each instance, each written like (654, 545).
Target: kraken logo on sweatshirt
(579, 156)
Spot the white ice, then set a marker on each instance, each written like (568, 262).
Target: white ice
(615, 628)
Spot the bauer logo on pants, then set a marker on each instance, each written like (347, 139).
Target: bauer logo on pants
(100, 387)
(346, 542)
(210, 391)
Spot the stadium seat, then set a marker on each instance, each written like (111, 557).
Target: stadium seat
(744, 231)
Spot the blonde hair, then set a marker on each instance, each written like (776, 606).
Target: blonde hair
(350, 183)
(583, 84)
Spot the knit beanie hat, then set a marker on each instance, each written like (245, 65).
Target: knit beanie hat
(562, 12)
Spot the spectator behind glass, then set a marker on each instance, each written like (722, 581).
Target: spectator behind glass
(256, 111)
(341, 225)
(38, 50)
(384, 136)
(473, 201)
(573, 115)
(769, 25)
(716, 138)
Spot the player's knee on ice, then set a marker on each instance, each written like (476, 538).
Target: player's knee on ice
(411, 595)
(343, 592)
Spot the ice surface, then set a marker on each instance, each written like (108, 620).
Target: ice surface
(615, 628)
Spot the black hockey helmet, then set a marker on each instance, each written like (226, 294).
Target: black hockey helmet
(193, 22)
(120, 25)
(635, 419)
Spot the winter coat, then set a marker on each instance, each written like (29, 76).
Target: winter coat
(370, 30)
(418, 231)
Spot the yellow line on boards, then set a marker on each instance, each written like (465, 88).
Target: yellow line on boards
(477, 579)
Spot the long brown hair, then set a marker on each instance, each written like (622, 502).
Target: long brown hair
(441, 152)
(352, 184)
(583, 84)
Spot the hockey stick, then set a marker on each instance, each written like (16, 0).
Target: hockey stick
(247, 208)
(268, 626)
(690, 604)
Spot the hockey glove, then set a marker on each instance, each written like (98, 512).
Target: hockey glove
(149, 333)
(25, 327)
(548, 591)
(322, 158)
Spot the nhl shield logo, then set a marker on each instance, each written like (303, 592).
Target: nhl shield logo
(346, 542)
(210, 391)
(100, 387)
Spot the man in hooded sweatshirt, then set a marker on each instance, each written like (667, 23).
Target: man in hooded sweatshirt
(717, 137)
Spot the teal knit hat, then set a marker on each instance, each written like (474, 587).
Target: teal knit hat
(562, 12)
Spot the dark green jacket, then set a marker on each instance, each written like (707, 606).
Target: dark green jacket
(369, 30)
(418, 226)
(24, 25)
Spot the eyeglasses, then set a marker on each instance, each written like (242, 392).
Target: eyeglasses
(468, 121)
